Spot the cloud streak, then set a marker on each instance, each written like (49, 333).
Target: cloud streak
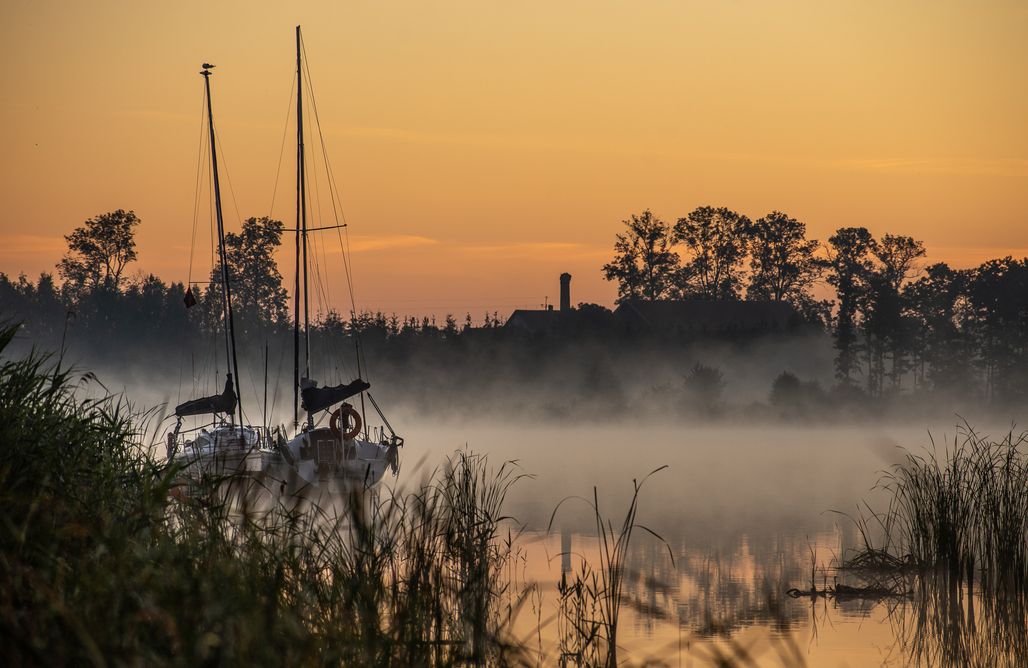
(13, 244)
(372, 243)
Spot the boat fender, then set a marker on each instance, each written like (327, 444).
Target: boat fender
(393, 458)
(351, 414)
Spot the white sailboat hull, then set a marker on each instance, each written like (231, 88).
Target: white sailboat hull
(321, 459)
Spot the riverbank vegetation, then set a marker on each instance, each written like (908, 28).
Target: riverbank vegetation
(100, 567)
(959, 509)
(873, 328)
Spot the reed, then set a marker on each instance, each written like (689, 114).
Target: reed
(601, 588)
(963, 511)
(98, 566)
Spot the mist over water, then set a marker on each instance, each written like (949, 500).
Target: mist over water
(746, 503)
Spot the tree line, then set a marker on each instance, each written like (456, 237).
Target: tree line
(892, 321)
(94, 299)
(896, 326)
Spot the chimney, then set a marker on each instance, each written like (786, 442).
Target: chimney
(565, 292)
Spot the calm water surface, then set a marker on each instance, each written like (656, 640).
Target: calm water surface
(748, 514)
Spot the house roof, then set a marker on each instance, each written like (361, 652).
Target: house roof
(533, 320)
(702, 315)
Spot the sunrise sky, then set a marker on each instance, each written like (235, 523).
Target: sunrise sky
(482, 148)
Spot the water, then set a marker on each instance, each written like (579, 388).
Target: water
(747, 513)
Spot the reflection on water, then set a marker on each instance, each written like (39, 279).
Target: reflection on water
(745, 514)
(952, 624)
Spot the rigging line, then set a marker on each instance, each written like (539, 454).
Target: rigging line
(348, 266)
(228, 177)
(311, 265)
(325, 283)
(321, 135)
(214, 265)
(362, 361)
(196, 218)
(319, 282)
(337, 213)
(196, 192)
(278, 376)
(319, 277)
(321, 265)
(328, 277)
(231, 360)
(337, 208)
(282, 148)
(256, 393)
(324, 275)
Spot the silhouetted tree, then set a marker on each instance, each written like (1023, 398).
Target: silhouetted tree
(886, 328)
(784, 265)
(704, 387)
(997, 293)
(716, 242)
(99, 251)
(450, 328)
(850, 262)
(644, 263)
(941, 349)
(259, 300)
(39, 308)
(897, 255)
(793, 397)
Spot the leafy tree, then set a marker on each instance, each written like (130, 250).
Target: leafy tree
(934, 302)
(784, 265)
(644, 263)
(997, 294)
(881, 324)
(99, 251)
(793, 397)
(716, 242)
(704, 387)
(257, 292)
(850, 257)
(887, 329)
(39, 309)
(450, 329)
(897, 255)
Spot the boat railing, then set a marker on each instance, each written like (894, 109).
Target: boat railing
(221, 435)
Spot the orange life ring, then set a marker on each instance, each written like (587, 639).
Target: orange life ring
(351, 414)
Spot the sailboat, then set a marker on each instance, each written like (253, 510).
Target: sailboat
(222, 448)
(346, 451)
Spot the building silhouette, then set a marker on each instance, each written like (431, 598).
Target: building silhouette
(693, 318)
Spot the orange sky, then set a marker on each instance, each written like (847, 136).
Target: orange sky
(484, 147)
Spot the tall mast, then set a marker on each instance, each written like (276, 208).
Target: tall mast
(303, 206)
(301, 253)
(226, 289)
(301, 233)
(296, 278)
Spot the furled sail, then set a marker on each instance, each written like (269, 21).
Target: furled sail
(219, 403)
(319, 398)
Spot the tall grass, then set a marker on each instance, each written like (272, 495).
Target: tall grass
(951, 626)
(98, 566)
(591, 603)
(963, 511)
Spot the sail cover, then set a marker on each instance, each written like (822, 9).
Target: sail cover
(219, 403)
(320, 398)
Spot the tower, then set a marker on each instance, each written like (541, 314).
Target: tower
(565, 292)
